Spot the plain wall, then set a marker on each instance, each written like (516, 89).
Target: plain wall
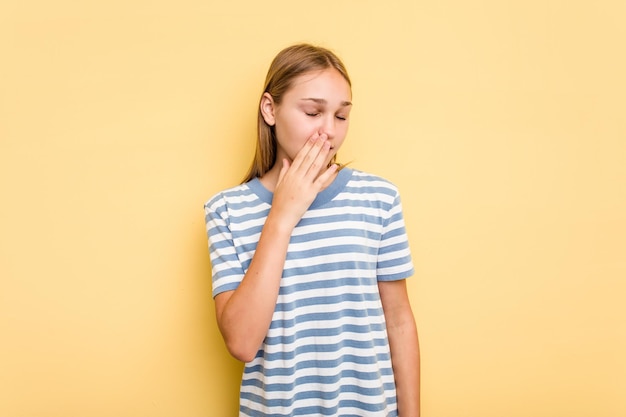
(502, 123)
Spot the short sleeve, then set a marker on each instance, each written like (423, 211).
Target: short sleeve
(227, 271)
(394, 256)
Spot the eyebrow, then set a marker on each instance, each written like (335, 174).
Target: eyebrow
(323, 101)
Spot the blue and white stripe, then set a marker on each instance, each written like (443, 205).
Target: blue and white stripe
(326, 351)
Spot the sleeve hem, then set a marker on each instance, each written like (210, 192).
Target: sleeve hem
(226, 287)
(396, 277)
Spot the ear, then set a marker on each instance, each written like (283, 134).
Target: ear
(268, 107)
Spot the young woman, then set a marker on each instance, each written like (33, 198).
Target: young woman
(309, 261)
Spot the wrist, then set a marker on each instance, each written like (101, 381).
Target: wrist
(278, 224)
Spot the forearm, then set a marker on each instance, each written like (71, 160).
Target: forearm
(405, 357)
(244, 318)
(404, 345)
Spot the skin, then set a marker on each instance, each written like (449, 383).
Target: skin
(311, 123)
(404, 345)
(317, 106)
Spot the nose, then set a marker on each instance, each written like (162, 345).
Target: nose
(328, 127)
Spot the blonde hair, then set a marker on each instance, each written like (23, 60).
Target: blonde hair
(290, 63)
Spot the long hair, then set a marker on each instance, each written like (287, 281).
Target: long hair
(290, 63)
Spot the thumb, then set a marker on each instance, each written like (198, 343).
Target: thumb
(283, 170)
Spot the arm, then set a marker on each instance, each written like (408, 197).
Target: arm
(245, 314)
(404, 345)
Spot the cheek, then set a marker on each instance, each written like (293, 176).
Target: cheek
(296, 132)
(342, 131)
(292, 137)
(344, 127)
(295, 135)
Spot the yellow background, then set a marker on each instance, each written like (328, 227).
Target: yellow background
(502, 122)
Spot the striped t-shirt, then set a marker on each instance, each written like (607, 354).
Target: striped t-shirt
(326, 352)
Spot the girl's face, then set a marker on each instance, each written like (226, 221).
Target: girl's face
(318, 102)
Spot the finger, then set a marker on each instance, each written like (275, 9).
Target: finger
(320, 146)
(306, 149)
(283, 171)
(326, 175)
(318, 161)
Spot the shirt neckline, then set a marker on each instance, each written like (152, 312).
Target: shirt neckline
(322, 198)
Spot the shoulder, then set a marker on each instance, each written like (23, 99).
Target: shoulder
(371, 184)
(367, 177)
(237, 195)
